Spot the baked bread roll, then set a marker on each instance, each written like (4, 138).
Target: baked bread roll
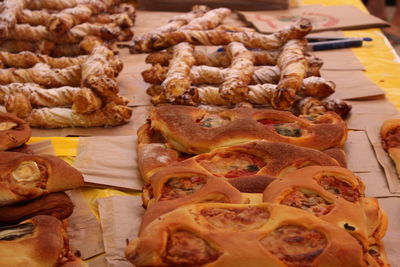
(377, 221)
(177, 186)
(390, 135)
(24, 177)
(330, 193)
(58, 205)
(252, 158)
(37, 242)
(217, 234)
(14, 131)
(194, 130)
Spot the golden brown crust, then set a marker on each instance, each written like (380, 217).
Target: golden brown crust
(97, 72)
(244, 160)
(177, 80)
(330, 193)
(26, 32)
(225, 243)
(8, 15)
(45, 246)
(292, 64)
(82, 100)
(24, 177)
(63, 21)
(178, 186)
(42, 74)
(376, 219)
(182, 128)
(209, 20)
(215, 59)
(18, 134)
(250, 39)
(110, 115)
(28, 59)
(389, 135)
(58, 205)
(338, 154)
(235, 86)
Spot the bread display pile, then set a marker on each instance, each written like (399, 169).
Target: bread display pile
(261, 69)
(58, 69)
(32, 201)
(243, 185)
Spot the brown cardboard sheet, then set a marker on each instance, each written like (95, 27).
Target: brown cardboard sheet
(360, 155)
(139, 116)
(98, 261)
(373, 131)
(109, 161)
(338, 17)
(352, 84)
(369, 112)
(391, 206)
(120, 218)
(84, 231)
(376, 184)
(130, 81)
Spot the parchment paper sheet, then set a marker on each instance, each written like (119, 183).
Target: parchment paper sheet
(120, 218)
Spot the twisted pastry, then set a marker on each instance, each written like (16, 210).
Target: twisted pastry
(210, 20)
(259, 94)
(213, 75)
(50, 4)
(234, 88)
(231, 28)
(28, 59)
(311, 105)
(8, 15)
(82, 100)
(42, 47)
(215, 59)
(63, 21)
(33, 17)
(123, 8)
(174, 24)
(110, 115)
(123, 19)
(27, 32)
(43, 75)
(276, 40)
(292, 64)
(97, 72)
(18, 104)
(177, 79)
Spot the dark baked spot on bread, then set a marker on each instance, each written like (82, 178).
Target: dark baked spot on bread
(244, 219)
(295, 245)
(177, 187)
(187, 249)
